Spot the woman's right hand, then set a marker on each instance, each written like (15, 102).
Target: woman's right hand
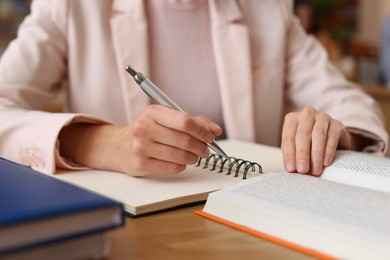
(161, 141)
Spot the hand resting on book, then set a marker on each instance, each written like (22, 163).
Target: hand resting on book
(310, 139)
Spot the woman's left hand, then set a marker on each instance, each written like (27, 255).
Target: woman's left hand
(310, 139)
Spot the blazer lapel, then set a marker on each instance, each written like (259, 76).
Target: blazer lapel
(233, 60)
(130, 40)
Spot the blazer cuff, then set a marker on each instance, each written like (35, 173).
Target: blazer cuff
(377, 145)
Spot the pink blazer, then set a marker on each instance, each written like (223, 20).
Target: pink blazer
(266, 64)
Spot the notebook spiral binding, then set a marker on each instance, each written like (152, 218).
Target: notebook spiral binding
(234, 165)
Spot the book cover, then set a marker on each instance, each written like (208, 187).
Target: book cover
(93, 246)
(36, 209)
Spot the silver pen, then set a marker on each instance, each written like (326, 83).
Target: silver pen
(161, 98)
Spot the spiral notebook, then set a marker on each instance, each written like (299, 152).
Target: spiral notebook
(142, 196)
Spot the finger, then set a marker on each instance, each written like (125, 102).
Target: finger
(318, 143)
(147, 134)
(303, 139)
(171, 154)
(179, 141)
(144, 166)
(335, 131)
(150, 157)
(180, 121)
(214, 128)
(288, 141)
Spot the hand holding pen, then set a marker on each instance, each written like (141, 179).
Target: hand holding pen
(161, 98)
(161, 140)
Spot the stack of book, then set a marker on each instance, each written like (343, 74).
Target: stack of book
(42, 217)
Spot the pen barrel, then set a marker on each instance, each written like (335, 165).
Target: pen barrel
(157, 95)
(215, 147)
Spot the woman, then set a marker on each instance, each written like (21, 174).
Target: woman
(239, 64)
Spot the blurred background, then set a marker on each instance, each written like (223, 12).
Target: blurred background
(350, 30)
(355, 33)
(12, 13)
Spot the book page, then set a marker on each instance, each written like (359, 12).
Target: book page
(309, 195)
(150, 194)
(309, 211)
(360, 169)
(141, 195)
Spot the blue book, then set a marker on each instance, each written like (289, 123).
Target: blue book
(37, 209)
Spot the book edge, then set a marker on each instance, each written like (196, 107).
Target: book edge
(265, 236)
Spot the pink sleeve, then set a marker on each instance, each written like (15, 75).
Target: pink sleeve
(31, 72)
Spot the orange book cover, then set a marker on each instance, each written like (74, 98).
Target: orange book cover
(273, 239)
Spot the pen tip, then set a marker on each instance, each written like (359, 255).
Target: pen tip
(130, 70)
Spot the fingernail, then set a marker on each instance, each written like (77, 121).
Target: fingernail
(327, 160)
(215, 126)
(302, 166)
(210, 138)
(317, 169)
(290, 166)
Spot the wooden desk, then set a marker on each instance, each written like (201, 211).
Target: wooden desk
(181, 234)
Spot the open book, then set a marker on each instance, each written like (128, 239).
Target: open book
(343, 214)
(142, 196)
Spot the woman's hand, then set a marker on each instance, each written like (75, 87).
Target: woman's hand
(160, 141)
(310, 139)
